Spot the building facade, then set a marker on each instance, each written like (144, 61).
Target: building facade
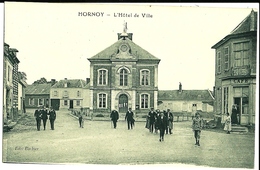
(186, 101)
(235, 71)
(37, 95)
(10, 83)
(69, 94)
(123, 76)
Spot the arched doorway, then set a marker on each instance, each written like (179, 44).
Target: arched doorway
(123, 103)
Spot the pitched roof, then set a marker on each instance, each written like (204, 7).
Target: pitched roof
(136, 51)
(202, 95)
(71, 83)
(38, 89)
(248, 25)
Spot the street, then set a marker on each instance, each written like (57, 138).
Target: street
(99, 143)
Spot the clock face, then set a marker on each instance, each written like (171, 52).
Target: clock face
(123, 48)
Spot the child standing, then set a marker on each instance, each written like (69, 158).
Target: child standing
(227, 126)
(196, 127)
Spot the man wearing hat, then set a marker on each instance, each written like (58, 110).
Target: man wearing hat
(52, 117)
(44, 117)
(129, 117)
(169, 117)
(38, 117)
(114, 117)
(152, 117)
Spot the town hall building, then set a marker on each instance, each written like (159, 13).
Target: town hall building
(123, 76)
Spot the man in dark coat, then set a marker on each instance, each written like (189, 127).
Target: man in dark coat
(152, 117)
(114, 117)
(130, 118)
(162, 123)
(52, 117)
(169, 117)
(37, 115)
(44, 116)
(234, 114)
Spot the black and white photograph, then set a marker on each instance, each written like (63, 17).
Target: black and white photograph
(130, 85)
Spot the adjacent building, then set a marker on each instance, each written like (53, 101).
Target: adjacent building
(123, 76)
(70, 94)
(186, 101)
(21, 92)
(235, 71)
(37, 95)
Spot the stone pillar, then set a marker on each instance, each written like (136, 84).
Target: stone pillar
(155, 99)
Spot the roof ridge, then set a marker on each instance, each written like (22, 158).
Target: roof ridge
(211, 94)
(81, 83)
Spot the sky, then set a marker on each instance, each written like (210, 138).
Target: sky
(55, 40)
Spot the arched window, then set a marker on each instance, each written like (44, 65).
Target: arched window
(123, 77)
(102, 77)
(145, 77)
(102, 100)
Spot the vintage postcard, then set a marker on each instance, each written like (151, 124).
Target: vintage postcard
(130, 85)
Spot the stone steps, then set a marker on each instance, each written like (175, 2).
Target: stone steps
(239, 129)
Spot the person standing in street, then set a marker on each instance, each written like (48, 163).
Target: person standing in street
(196, 127)
(162, 123)
(80, 116)
(44, 116)
(227, 126)
(114, 117)
(156, 124)
(52, 117)
(129, 117)
(37, 115)
(152, 117)
(169, 117)
(234, 115)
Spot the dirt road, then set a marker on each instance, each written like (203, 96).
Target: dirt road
(99, 143)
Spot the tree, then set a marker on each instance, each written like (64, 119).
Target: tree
(41, 81)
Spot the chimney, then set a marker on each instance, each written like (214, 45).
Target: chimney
(53, 81)
(180, 87)
(66, 83)
(87, 80)
(253, 21)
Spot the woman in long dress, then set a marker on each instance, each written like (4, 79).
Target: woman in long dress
(227, 126)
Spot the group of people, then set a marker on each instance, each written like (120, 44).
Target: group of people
(159, 121)
(162, 121)
(42, 114)
(156, 120)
